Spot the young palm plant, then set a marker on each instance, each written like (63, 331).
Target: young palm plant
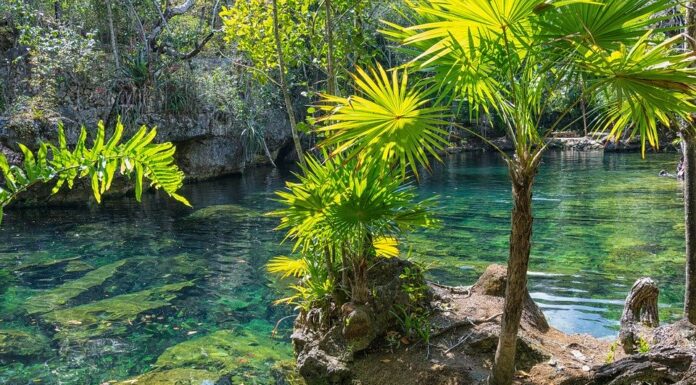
(342, 216)
(505, 56)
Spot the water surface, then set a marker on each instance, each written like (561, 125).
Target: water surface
(114, 291)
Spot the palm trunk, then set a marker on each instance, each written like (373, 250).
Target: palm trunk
(689, 150)
(516, 286)
(284, 86)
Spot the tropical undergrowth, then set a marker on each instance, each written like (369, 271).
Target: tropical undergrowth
(350, 206)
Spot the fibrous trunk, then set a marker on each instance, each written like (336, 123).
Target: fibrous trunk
(689, 148)
(516, 288)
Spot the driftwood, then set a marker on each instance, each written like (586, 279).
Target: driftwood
(663, 365)
(640, 309)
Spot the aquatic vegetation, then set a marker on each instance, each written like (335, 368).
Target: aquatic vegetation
(239, 355)
(28, 343)
(55, 298)
(177, 376)
(6, 280)
(224, 351)
(78, 267)
(109, 316)
(223, 212)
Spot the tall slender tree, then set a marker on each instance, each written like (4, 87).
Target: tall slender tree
(112, 34)
(284, 85)
(689, 152)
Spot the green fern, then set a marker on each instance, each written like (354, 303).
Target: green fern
(138, 158)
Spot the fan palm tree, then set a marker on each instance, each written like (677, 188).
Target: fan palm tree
(342, 216)
(506, 56)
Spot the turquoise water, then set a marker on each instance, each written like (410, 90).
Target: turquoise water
(115, 291)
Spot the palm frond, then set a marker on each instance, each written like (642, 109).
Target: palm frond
(387, 122)
(386, 247)
(640, 86)
(287, 267)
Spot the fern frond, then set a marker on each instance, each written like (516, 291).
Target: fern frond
(138, 159)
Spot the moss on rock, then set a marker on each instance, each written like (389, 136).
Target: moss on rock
(240, 356)
(55, 298)
(222, 212)
(23, 343)
(178, 376)
(225, 351)
(101, 317)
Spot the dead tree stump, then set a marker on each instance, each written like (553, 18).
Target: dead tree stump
(640, 309)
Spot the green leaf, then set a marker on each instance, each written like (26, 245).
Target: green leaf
(138, 181)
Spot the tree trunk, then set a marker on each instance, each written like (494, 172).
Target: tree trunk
(284, 85)
(331, 75)
(689, 147)
(112, 33)
(58, 10)
(583, 107)
(520, 245)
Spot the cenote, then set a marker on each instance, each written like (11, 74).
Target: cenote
(128, 288)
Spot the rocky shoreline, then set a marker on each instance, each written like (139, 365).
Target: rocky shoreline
(465, 323)
(574, 143)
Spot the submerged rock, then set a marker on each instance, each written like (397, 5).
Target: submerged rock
(224, 350)
(224, 356)
(55, 298)
(222, 212)
(23, 343)
(109, 316)
(324, 352)
(178, 376)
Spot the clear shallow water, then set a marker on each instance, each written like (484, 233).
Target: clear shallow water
(109, 293)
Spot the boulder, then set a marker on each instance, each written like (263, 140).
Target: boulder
(325, 340)
(493, 282)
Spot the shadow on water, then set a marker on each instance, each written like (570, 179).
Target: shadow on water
(114, 291)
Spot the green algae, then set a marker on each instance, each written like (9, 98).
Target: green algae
(224, 350)
(55, 298)
(78, 267)
(7, 279)
(178, 376)
(244, 355)
(100, 317)
(23, 343)
(223, 212)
